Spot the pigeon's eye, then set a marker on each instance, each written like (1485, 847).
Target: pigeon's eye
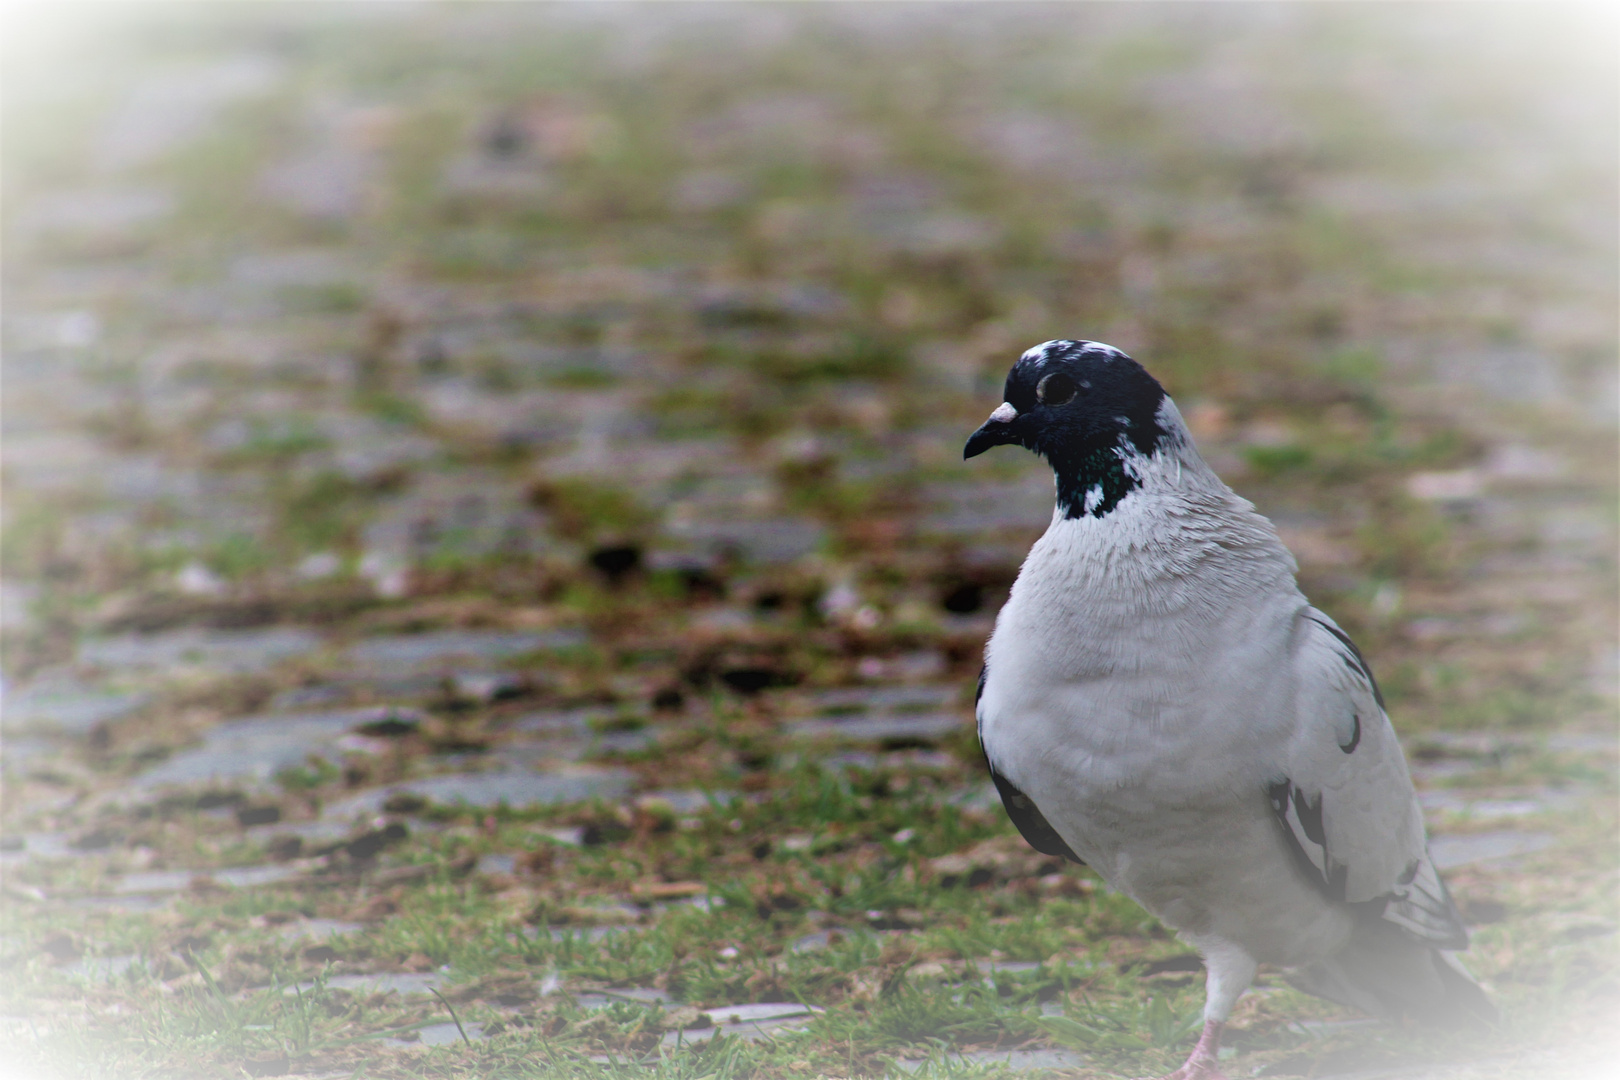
(1055, 389)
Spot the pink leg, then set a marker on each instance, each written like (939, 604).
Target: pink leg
(1201, 1063)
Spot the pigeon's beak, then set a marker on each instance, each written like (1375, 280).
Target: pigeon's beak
(997, 431)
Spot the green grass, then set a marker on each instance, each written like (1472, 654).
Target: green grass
(213, 988)
(830, 336)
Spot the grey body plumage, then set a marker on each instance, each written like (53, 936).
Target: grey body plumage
(1161, 702)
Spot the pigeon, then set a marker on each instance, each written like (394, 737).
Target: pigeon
(1160, 702)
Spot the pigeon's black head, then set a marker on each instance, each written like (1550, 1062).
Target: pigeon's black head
(1085, 407)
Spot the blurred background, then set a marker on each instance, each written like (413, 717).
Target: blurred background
(531, 434)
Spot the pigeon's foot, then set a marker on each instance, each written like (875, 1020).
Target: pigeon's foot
(1201, 1064)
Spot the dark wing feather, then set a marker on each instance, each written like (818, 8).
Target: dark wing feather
(1031, 823)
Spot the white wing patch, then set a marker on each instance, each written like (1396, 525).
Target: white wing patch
(1344, 798)
(1422, 906)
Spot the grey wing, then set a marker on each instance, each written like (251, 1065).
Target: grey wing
(1344, 798)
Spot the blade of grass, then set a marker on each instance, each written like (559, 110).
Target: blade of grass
(454, 1018)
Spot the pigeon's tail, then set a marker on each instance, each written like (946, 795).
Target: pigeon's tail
(1383, 971)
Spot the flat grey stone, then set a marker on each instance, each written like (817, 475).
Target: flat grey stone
(702, 903)
(155, 881)
(328, 695)
(19, 754)
(248, 877)
(647, 995)
(327, 180)
(756, 1011)
(477, 174)
(1429, 772)
(1453, 802)
(747, 1022)
(915, 758)
(484, 686)
(539, 756)
(1027, 1060)
(497, 863)
(689, 800)
(764, 542)
(311, 832)
(55, 462)
(1577, 742)
(237, 652)
(575, 733)
(640, 995)
(317, 929)
(724, 620)
(1450, 852)
(204, 498)
(527, 789)
(342, 687)
(491, 789)
(883, 728)
(97, 210)
(707, 190)
(851, 759)
(17, 599)
(584, 933)
(462, 514)
(884, 698)
(445, 647)
(624, 742)
(1014, 1060)
(168, 108)
(123, 902)
(978, 797)
(590, 1001)
(65, 709)
(562, 722)
(407, 983)
(1480, 745)
(379, 455)
(43, 846)
(445, 1034)
(890, 714)
(100, 969)
(296, 266)
(255, 748)
(976, 509)
(523, 419)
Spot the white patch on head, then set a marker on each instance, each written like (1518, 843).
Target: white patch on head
(1094, 497)
(1038, 352)
(1004, 414)
(1098, 349)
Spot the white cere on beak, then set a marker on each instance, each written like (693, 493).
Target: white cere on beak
(1004, 414)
